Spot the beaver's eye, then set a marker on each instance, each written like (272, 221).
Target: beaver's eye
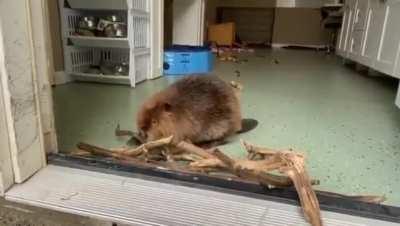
(154, 122)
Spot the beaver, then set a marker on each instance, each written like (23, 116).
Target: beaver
(195, 109)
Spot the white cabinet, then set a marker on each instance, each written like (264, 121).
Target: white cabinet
(376, 19)
(370, 34)
(390, 39)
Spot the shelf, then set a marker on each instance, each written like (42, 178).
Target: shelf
(88, 41)
(98, 4)
(113, 79)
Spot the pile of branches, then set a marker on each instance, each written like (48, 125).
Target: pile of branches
(268, 167)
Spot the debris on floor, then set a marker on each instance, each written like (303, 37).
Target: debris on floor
(227, 56)
(221, 50)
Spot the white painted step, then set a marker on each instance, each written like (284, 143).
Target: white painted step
(144, 202)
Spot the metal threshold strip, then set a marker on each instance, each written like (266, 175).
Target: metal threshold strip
(139, 201)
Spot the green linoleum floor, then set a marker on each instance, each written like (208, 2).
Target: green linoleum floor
(345, 122)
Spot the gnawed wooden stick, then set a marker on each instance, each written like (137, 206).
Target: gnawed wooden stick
(103, 152)
(258, 168)
(186, 157)
(258, 153)
(288, 163)
(147, 146)
(193, 149)
(254, 170)
(294, 168)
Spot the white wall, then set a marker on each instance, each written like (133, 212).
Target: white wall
(188, 22)
(291, 16)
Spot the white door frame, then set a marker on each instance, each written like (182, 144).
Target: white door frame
(26, 106)
(25, 91)
(156, 38)
(6, 169)
(188, 22)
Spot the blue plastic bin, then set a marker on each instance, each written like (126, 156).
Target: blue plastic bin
(183, 60)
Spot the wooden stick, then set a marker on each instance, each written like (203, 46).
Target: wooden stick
(257, 153)
(296, 171)
(186, 157)
(193, 149)
(147, 146)
(208, 163)
(103, 152)
(255, 170)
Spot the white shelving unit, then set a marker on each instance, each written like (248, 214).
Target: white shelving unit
(82, 52)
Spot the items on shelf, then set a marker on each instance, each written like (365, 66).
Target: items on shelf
(111, 26)
(109, 68)
(96, 44)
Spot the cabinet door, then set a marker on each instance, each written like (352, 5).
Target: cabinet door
(347, 25)
(374, 29)
(341, 43)
(358, 30)
(390, 40)
(360, 15)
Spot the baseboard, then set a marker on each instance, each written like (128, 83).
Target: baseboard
(281, 45)
(60, 77)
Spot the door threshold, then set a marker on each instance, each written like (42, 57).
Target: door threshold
(139, 201)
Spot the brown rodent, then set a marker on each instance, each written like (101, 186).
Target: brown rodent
(195, 109)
